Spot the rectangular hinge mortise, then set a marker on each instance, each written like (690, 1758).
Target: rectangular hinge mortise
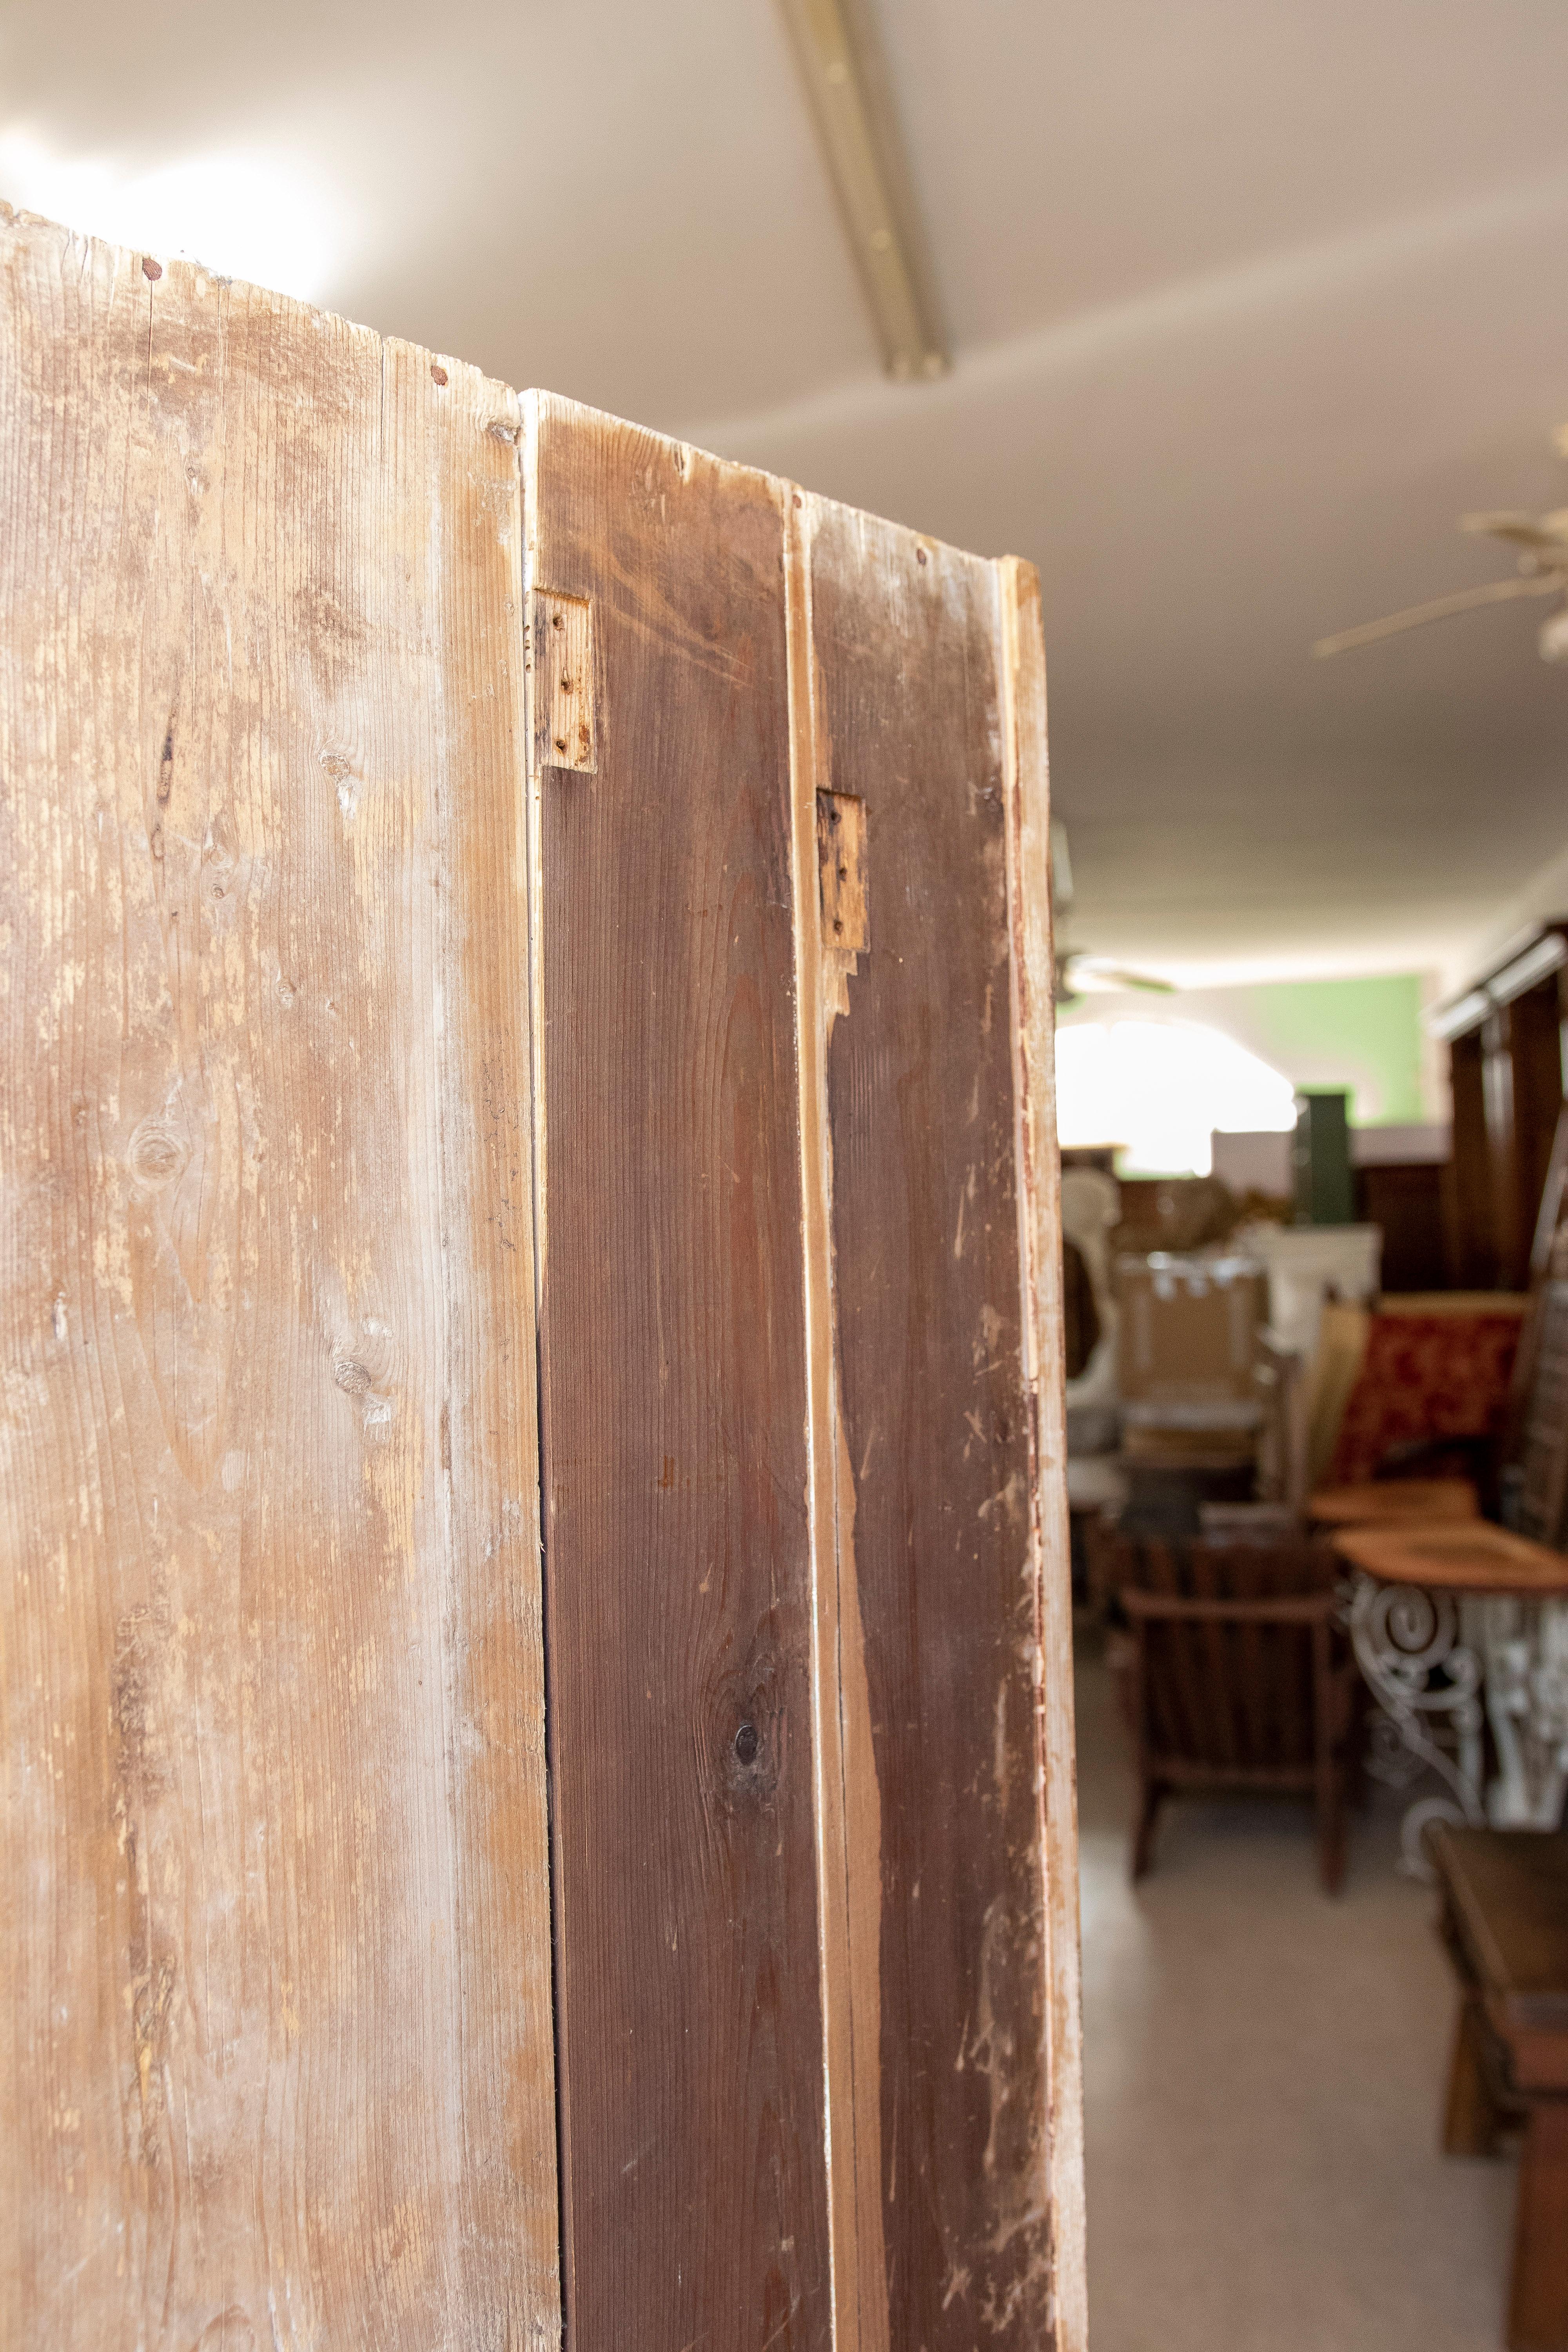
(565, 688)
(841, 868)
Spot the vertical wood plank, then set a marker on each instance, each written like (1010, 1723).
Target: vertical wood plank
(1039, 1161)
(938, 1526)
(678, 1580)
(278, 1992)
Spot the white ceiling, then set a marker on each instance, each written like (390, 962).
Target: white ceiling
(1249, 302)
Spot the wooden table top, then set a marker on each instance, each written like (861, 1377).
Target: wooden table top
(1456, 1556)
(1392, 1502)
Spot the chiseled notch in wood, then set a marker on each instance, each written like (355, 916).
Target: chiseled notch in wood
(565, 727)
(841, 868)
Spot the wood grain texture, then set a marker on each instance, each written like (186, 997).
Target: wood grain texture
(938, 1395)
(677, 1574)
(849, 1804)
(277, 1981)
(395, 983)
(1033, 972)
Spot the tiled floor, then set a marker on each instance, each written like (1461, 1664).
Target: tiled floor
(1264, 2067)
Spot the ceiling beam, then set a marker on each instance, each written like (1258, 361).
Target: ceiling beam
(846, 82)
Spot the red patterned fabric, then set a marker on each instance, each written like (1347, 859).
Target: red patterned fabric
(1425, 1376)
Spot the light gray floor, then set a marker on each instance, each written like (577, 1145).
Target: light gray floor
(1264, 2068)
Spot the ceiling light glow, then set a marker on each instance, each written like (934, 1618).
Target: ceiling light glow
(257, 213)
(1160, 1088)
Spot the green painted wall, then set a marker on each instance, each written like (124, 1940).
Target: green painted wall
(1364, 1034)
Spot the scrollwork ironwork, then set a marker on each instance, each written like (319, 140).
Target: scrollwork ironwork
(1427, 1680)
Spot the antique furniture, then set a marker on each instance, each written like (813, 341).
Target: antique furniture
(1240, 1679)
(1429, 1392)
(1308, 1264)
(534, 1636)
(1505, 1921)
(1186, 1347)
(1450, 1632)
(1403, 1199)
(1392, 1502)
(1279, 1376)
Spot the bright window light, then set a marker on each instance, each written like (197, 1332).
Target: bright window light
(1161, 1088)
(253, 213)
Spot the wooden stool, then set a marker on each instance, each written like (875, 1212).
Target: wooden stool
(1505, 1922)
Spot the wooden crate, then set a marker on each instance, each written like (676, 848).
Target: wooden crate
(536, 1671)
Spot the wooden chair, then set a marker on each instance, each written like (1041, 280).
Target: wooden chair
(1241, 1677)
(1505, 1922)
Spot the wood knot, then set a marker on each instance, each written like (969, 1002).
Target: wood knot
(156, 1155)
(437, 372)
(351, 1375)
(748, 1742)
(151, 269)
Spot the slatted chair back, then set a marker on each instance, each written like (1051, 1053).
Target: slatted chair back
(1240, 1672)
(1228, 1668)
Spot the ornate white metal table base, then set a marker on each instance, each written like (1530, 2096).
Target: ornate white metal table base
(1427, 1658)
(1524, 1645)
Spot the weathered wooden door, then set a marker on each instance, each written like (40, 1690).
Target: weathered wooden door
(535, 1689)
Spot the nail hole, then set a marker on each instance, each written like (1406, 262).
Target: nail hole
(561, 743)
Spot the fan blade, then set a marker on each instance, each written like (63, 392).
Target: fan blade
(1092, 971)
(1415, 616)
(1519, 530)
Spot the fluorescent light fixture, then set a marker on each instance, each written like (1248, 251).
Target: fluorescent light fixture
(253, 212)
(846, 83)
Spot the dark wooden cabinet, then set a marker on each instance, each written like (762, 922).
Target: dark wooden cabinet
(1404, 1198)
(1505, 1060)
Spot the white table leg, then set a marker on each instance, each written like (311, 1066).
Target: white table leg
(1525, 1646)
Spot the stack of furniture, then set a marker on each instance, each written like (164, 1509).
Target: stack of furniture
(1187, 1342)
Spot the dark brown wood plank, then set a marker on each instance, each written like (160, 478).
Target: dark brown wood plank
(905, 645)
(677, 1569)
(1469, 1213)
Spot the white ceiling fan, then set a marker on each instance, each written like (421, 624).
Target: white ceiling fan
(1543, 541)
(1077, 973)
